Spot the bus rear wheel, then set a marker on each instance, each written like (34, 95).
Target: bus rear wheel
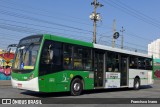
(136, 84)
(76, 87)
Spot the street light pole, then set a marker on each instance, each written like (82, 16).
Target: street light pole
(114, 30)
(122, 40)
(94, 22)
(95, 17)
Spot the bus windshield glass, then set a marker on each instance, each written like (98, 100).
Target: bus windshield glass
(26, 55)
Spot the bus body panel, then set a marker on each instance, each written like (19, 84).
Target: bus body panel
(112, 80)
(23, 76)
(150, 79)
(144, 75)
(61, 81)
(27, 81)
(27, 85)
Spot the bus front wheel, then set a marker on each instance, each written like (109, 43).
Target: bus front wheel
(136, 84)
(76, 87)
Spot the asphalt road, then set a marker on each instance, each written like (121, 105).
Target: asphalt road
(152, 91)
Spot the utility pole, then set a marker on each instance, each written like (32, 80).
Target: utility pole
(114, 30)
(95, 17)
(122, 40)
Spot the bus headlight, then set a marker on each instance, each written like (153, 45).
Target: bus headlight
(31, 77)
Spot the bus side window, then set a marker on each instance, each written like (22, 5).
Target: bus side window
(51, 57)
(141, 63)
(133, 62)
(87, 59)
(78, 58)
(45, 61)
(148, 64)
(46, 53)
(67, 56)
(112, 62)
(109, 62)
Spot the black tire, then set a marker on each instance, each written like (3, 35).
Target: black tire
(136, 84)
(76, 87)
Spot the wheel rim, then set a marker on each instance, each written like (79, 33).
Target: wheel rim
(137, 84)
(76, 86)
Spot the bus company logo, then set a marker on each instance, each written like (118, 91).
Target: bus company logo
(6, 101)
(64, 78)
(157, 73)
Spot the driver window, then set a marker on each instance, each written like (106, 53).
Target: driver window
(46, 55)
(51, 57)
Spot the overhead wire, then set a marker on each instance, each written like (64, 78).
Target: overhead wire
(34, 19)
(132, 13)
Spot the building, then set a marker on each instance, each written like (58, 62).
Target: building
(154, 49)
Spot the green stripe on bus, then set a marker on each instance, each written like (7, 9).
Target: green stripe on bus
(68, 40)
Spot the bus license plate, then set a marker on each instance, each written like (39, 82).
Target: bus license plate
(19, 85)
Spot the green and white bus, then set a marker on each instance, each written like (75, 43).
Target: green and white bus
(48, 63)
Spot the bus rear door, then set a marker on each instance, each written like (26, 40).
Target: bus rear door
(124, 70)
(99, 58)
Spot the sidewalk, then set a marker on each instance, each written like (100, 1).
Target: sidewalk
(5, 82)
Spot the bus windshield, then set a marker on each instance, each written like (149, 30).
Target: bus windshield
(26, 56)
(26, 53)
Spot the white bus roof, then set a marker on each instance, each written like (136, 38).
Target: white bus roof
(108, 48)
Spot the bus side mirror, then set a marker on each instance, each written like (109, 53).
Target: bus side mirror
(50, 53)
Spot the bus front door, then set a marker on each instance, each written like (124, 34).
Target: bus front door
(98, 69)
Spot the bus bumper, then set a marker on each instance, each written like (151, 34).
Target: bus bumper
(31, 85)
